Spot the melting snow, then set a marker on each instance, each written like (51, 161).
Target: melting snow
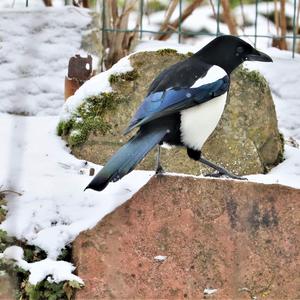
(160, 257)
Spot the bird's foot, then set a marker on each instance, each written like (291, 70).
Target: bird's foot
(227, 174)
(159, 170)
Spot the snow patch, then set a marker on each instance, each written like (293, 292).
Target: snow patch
(56, 271)
(160, 258)
(209, 291)
(42, 40)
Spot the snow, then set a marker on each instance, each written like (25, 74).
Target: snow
(53, 209)
(282, 76)
(50, 215)
(35, 85)
(56, 270)
(160, 258)
(286, 173)
(209, 291)
(32, 4)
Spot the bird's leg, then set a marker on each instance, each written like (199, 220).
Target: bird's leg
(197, 156)
(159, 169)
(221, 171)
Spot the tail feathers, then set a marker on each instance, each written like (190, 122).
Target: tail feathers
(127, 157)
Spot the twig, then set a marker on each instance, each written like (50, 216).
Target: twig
(213, 9)
(297, 18)
(276, 17)
(186, 13)
(243, 15)
(283, 44)
(10, 191)
(228, 17)
(170, 11)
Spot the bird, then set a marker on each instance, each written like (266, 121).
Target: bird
(183, 106)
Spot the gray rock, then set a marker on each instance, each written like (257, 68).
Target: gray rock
(246, 140)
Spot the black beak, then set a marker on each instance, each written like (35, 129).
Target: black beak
(258, 56)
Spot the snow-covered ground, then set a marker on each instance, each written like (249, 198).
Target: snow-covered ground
(53, 209)
(32, 4)
(34, 57)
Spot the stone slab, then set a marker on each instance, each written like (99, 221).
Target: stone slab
(240, 238)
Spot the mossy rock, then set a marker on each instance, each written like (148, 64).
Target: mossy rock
(246, 140)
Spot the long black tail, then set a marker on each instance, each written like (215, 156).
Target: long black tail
(127, 157)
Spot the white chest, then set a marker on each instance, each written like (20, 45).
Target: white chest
(198, 122)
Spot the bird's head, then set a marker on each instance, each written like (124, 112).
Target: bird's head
(229, 52)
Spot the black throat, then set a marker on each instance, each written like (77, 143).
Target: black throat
(219, 56)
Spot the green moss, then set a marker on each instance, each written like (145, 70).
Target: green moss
(5, 240)
(280, 157)
(90, 117)
(166, 51)
(64, 127)
(2, 213)
(128, 76)
(189, 54)
(60, 128)
(253, 76)
(169, 52)
(77, 137)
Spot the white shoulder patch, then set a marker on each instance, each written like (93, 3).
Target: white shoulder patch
(213, 74)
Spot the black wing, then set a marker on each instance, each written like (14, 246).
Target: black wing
(180, 75)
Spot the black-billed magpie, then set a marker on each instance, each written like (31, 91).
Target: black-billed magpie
(182, 108)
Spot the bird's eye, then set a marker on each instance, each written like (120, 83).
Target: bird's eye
(240, 49)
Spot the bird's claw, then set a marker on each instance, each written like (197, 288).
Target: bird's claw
(159, 170)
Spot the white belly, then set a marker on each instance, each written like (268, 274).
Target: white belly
(198, 122)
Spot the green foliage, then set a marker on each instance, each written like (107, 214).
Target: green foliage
(70, 287)
(44, 289)
(5, 240)
(50, 290)
(90, 117)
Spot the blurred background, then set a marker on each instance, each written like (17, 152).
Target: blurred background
(124, 22)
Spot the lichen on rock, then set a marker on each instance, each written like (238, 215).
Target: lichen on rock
(245, 141)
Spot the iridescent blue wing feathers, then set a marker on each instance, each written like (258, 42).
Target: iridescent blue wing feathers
(159, 104)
